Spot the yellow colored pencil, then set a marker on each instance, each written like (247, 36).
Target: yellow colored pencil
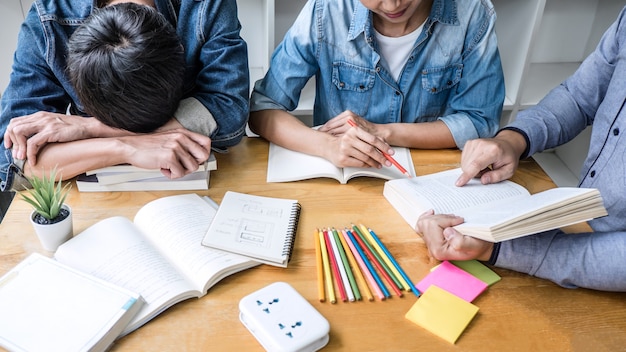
(328, 279)
(383, 254)
(320, 267)
(355, 267)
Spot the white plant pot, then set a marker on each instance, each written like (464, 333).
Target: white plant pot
(52, 236)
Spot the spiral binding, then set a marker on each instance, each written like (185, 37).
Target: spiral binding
(292, 229)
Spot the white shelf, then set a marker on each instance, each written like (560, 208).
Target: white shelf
(558, 171)
(541, 78)
(516, 25)
(257, 29)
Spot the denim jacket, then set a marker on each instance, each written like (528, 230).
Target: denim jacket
(593, 96)
(453, 74)
(216, 90)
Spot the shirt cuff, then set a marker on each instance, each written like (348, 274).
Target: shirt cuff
(494, 254)
(195, 117)
(515, 129)
(14, 179)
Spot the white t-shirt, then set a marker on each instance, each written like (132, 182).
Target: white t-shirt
(396, 50)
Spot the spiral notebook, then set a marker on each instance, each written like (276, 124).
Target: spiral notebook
(262, 228)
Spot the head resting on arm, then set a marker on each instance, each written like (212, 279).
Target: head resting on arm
(127, 65)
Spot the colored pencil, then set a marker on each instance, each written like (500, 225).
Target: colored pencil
(378, 263)
(319, 265)
(344, 258)
(341, 266)
(387, 156)
(333, 264)
(357, 267)
(385, 256)
(328, 277)
(379, 283)
(395, 263)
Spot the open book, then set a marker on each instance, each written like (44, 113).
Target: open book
(285, 165)
(47, 306)
(159, 255)
(494, 212)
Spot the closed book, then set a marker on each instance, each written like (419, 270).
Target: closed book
(126, 173)
(198, 180)
(48, 306)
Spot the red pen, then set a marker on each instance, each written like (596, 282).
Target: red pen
(387, 156)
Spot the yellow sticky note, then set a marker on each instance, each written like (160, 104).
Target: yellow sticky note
(442, 313)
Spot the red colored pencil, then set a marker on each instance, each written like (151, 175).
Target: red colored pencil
(373, 259)
(333, 264)
(387, 156)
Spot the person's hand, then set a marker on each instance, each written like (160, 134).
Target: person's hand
(339, 124)
(176, 152)
(491, 159)
(446, 243)
(355, 146)
(26, 135)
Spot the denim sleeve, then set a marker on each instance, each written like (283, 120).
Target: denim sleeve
(480, 94)
(11, 172)
(34, 85)
(223, 84)
(590, 260)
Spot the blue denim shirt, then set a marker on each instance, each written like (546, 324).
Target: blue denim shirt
(453, 74)
(593, 96)
(216, 74)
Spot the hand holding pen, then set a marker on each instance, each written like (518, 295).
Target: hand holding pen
(386, 155)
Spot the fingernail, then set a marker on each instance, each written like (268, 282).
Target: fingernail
(448, 233)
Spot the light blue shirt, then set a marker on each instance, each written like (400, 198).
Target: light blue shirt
(453, 74)
(594, 96)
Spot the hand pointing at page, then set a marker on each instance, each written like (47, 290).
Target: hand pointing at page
(491, 159)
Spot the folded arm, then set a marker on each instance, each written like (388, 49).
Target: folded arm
(176, 152)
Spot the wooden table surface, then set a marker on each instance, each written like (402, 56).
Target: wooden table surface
(519, 313)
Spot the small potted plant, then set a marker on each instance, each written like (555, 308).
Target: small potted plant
(51, 217)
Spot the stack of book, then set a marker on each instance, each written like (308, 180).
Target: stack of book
(132, 178)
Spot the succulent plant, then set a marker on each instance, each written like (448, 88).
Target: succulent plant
(46, 196)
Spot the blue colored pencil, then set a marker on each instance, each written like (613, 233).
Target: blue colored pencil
(394, 262)
(369, 266)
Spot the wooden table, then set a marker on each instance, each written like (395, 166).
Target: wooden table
(519, 313)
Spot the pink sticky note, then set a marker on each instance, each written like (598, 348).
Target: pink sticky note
(454, 280)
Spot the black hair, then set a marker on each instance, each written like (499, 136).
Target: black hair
(127, 66)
